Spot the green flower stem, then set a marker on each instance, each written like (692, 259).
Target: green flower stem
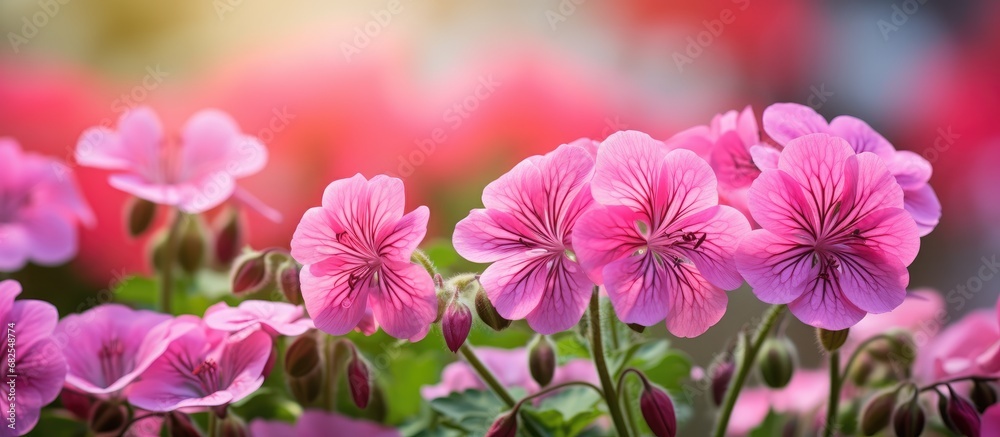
(597, 348)
(169, 259)
(834, 402)
(494, 385)
(859, 350)
(746, 362)
(213, 426)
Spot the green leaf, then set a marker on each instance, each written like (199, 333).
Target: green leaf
(472, 410)
(138, 291)
(772, 425)
(576, 407)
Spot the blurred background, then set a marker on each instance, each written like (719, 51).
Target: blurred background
(448, 95)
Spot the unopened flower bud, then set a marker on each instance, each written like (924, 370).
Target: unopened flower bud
(107, 418)
(359, 379)
(191, 244)
(832, 340)
(233, 426)
(139, 215)
(456, 324)
(777, 362)
(909, 419)
(504, 426)
(962, 416)
(76, 403)
(542, 360)
(288, 282)
(250, 274)
(862, 370)
(304, 369)
(877, 413)
(488, 314)
(721, 373)
(179, 425)
(636, 327)
(228, 240)
(983, 395)
(658, 411)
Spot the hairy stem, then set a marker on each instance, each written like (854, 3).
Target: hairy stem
(746, 362)
(487, 376)
(169, 259)
(834, 402)
(597, 348)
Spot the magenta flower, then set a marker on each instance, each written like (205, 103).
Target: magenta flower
(510, 366)
(835, 241)
(274, 317)
(195, 172)
(203, 368)
(355, 251)
(40, 206)
(318, 423)
(109, 346)
(969, 347)
(806, 393)
(658, 241)
(787, 121)
(726, 143)
(525, 231)
(39, 368)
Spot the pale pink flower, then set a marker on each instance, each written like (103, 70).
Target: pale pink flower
(658, 240)
(835, 241)
(784, 122)
(969, 347)
(922, 314)
(194, 171)
(39, 369)
(276, 318)
(40, 207)
(203, 368)
(510, 366)
(805, 394)
(318, 423)
(109, 346)
(525, 232)
(726, 143)
(355, 251)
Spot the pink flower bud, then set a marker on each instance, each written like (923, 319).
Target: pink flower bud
(909, 419)
(139, 215)
(658, 411)
(288, 282)
(455, 324)
(359, 379)
(962, 416)
(179, 425)
(542, 360)
(228, 238)
(233, 426)
(107, 418)
(504, 426)
(250, 274)
(304, 369)
(721, 374)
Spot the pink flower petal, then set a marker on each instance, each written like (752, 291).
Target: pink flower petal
(824, 305)
(723, 228)
(911, 170)
(924, 206)
(334, 305)
(639, 287)
(778, 204)
(605, 234)
(488, 235)
(695, 304)
(213, 144)
(136, 145)
(872, 282)
(861, 136)
(315, 238)
(52, 238)
(776, 269)
(404, 238)
(817, 163)
(515, 285)
(784, 122)
(403, 299)
(566, 297)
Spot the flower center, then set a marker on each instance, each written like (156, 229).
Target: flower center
(208, 375)
(112, 364)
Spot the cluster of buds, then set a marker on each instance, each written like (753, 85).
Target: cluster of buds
(907, 417)
(270, 269)
(454, 313)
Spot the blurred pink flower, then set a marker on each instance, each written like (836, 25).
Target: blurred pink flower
(275, 318)
(195, 172)
(725, 143)
(922, 313)
(835, 241)
(991, 422)
(970, 346)
(525, 232)
(787, 121)
(40, 368)
(318, 423)
(806, 393)
(510, 366)
(40, 206)
(355, 251)
(658, 240)
(110, 345)
(203, 368)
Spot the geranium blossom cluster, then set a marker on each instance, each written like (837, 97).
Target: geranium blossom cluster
(819, 218)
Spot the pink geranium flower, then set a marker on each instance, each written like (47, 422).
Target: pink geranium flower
(835, 241)
(203, 368)
(109, 346)
(355, 251)
(40, 369)
(805, 394)
(195, 171)
(726, 143)
(510, 366)
(785, 122)
(525, 232)
(274, 317)
(318, 423)
(969, 347)
(40, 206)
(658, 241)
